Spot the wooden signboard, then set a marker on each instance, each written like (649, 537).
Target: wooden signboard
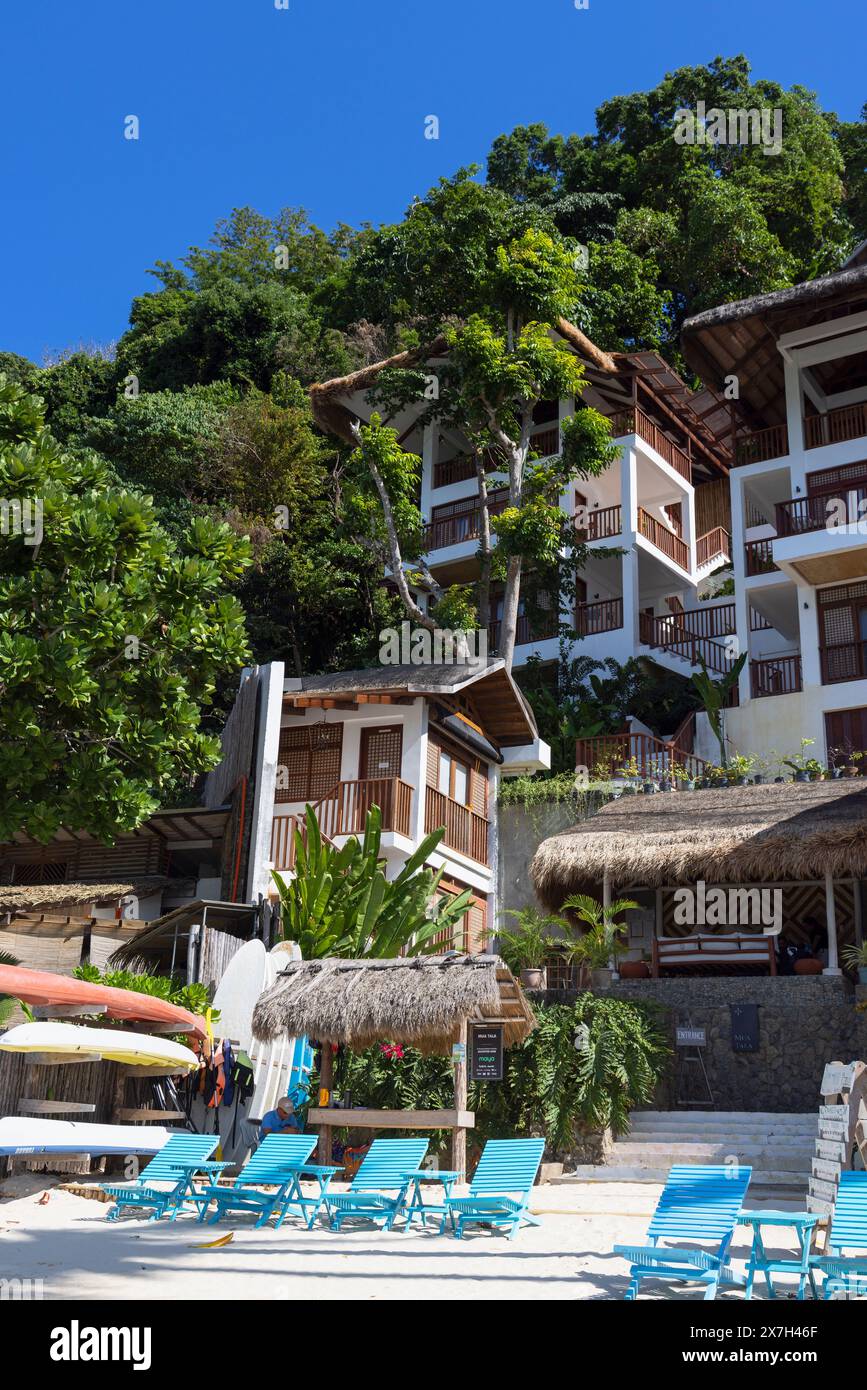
(486, 1055)
(745, 1027)
(841, 1131)
(690, 1037)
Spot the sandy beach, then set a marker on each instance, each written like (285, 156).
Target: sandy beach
(68, 1244)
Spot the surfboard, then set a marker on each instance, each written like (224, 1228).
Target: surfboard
(109, 1044)
(44, 987)
(238, 992)
(20, 1135)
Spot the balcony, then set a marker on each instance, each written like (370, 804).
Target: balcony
(836, 426)
(526, 631)
(463, 525)
(603, 755)
(663, 540)
(776, 675)
(635, 421)
(715, 545)
(599, 524)
(825, 512)
(605, 616)
(466, 831)
(343, 811)
(759, 557)
(759, 445)
(843, 661)
(456, 470)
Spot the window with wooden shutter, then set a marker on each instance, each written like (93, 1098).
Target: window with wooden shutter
(308, 762)
(845, 733)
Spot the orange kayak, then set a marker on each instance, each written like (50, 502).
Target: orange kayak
(41, 987)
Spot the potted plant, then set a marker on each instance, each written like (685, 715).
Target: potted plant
(635, 969)
(739, 768)
(526, 949)
(856, 959)
(601, 946)
(808, 965)
(853, 758)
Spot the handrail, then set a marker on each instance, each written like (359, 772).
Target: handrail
(343, 811)
(635, 421)
(668, 634)
(758, 445)
(711, 545)
(819, 512)
(462, 526)
(465, 830)
(604, 616)
(759, 556)
(836, 426)
(653, 756)
(599, 524)
(777, 675)
(663, 539)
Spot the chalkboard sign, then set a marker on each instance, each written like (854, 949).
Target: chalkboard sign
(745, 1027)
(486, 1056)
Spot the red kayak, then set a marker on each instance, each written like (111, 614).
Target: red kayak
(41, 987)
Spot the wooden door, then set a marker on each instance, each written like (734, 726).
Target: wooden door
(845, 732)
(381, 751)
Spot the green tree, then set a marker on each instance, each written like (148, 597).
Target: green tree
(114, 638)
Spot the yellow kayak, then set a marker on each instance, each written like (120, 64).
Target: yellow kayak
(109, 1044)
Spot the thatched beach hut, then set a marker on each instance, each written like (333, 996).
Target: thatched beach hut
(791, 833)
(427, 1002)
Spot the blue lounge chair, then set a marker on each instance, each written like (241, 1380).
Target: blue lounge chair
(176, 1164)
(500, 1189)
(698, 1203)
(278, 1164)
(846, 1273)
(387, 1169)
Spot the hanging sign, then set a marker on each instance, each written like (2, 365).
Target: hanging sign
(690, 1037)
(486, 1057)
(745, 1027)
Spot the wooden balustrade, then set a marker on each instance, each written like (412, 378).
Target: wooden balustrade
(668, 634)
(635, 421)
(823, 511)
(663, 539)
(546, 441)
(836, 426)
(775, 675)
(758, 445)
(843, 661)
(462, 526)
(604, 616)
(599, 523)
(526, 630)
(654, 758)
(343, 811)
(758, 621)
(466, 831)
(714, 545)
(759, 556)
(456, 470)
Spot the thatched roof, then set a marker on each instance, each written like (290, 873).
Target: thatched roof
(734, 835)
(28, 896)
(419, 1001)
(325, 397)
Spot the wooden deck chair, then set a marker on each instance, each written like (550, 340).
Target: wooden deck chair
(846, 1273)
(698, 1203)
(176, 1182)
(500, 1189)
(277, 1164)
(380, 1186)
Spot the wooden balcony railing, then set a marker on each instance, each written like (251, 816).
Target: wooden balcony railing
(456, 470)
(667, 634)
(758, 621)
(846, 422)
(598, 524)
(463, 526)
(664, 540)
(343, 811)
(604, 616)
(771, 443)
(606, 753)
(546, 441)
(635, 421)
(710, 620)
(466, 831)
(775, 675)
(843, 661)
(714, 545)
(759, 556)
(526, 630)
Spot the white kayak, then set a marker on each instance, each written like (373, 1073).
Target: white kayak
(21, 1135)
(108, 1044)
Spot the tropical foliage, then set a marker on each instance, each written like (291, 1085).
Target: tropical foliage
(195, 997)
(340, 902)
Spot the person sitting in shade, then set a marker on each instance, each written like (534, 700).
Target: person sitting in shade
(281, 1120)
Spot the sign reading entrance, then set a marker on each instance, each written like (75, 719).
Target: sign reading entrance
(486, 1056)
(690, 1037)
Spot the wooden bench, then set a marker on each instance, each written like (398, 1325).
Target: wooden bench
(729, 953)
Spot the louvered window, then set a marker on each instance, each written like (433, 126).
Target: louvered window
(308, 762)
(381, 751)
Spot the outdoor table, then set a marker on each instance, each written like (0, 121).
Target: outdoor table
(416, 1206)
(804, 1223)
(323, 1173)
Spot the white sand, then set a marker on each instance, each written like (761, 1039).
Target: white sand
(78, 1254)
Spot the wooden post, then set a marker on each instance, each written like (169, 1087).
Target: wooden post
(326, 1083)
(833, 966)
(459, 1136)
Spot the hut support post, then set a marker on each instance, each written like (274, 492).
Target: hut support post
(326, 1083)
(833, 966)
(606, 902)
(459, 1136)
(857, 911)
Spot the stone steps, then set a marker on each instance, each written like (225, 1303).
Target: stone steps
(604, 1172)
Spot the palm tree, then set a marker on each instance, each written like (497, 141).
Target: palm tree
(603, 942)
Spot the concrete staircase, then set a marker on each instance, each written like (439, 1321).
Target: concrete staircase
(779, 1148)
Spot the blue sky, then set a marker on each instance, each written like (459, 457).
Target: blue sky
(321, 104)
